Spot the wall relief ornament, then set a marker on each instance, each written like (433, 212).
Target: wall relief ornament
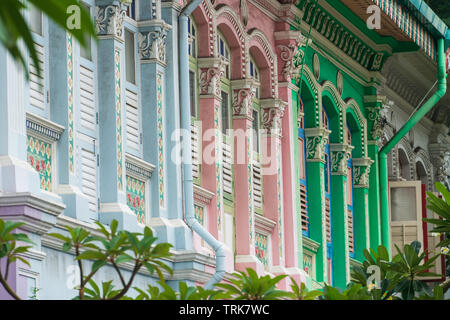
(152, 45)
(361, 172)
(210, 75)
(340, 153)
(109, 20)
(244, 12)
(316, 139)
(292, 56)
(272, 114)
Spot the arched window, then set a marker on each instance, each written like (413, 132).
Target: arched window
(350, 210)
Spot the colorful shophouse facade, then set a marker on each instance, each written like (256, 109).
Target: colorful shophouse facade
(297, 195)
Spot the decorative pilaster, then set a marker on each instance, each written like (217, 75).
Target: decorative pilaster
(211, 70)
(109, 16)
(316, 139)
(376, 124)
(272, 113)
(362, 223)
(340, 154)
(242, 127)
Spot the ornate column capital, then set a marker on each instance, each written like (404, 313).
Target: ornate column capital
(361, 171)
(316, 139)
(272, 113)
(374, 105)
(152, 43)
(211, 71)
(340, 153)
(289, 44)
(109, 20)
(243, 92)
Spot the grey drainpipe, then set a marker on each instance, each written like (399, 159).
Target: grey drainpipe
(190, 220)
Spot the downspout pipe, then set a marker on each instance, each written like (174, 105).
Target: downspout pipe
(414, 119)
(188, 187)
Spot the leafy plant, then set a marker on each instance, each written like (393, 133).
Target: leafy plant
(185, 292)
(11, 251)
(442, 208)
(14, 27)
(114, 247)
(409, 265)
(252, 287)
(438, 294)
(388, 279)
(354, 291)
(302, 292)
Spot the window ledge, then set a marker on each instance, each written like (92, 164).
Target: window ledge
(138, 167)
(44, 128)
(264, 225)
(202, 197)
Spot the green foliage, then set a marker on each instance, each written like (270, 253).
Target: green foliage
(114, 247)
(185, 292)
(388, 279)
(442, 208)
(438, 294)
(14, 26)
(11, 250)
(354, 291)
(252, 287)
(302, 292)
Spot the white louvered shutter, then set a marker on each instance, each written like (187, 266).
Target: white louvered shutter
(227, 169)
(257, 184)
(132, 120)
(195, 151)
(37, 91)
(89, 177)
(87, 101)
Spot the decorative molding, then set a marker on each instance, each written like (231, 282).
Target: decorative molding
(138, 167)
(316, 139)
(290, 53)
(361, 172)
(202, 197)
(264, 225)
(331, 28)
(211, 71)
(152, 45)
(43, 128)
(109, 20)
(310, 244)
(340, 153)
(243, 92)
(272, 114)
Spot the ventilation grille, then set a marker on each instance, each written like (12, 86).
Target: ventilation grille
(132, 120)
(227, 168)
(89, 177)
(37, 93)
(304, 208)
(87, 101)
(195, 151)
(328, 219)
(257, 184)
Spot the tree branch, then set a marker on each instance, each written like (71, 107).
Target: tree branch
(8, 288)
(127, 287)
